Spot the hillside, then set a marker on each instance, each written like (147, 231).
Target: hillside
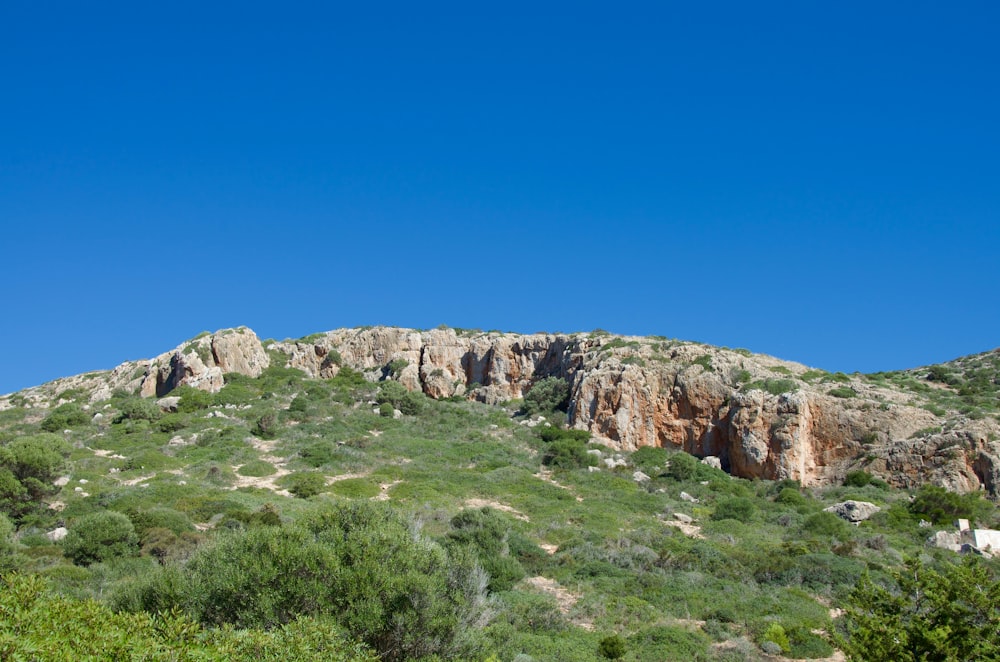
(762, 417)
(398, 494)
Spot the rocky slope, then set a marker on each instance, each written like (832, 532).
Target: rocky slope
(762, 417)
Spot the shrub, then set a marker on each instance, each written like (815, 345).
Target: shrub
(942, 507)
(363, 565)
(547, 395)
(773, 386)
(552, 433)
(137, 409)
(410, 403)
(843, 392)
(256, 468)
(776, 635)
(267, 426)
(99, 537)
(682, 466)
(612, 648)
(305, 484)
(790, 497)
(568, 454)
(64, 416)
(740, 509)
(826, 524)
(487, 532)
(650, 460)
(858, 479)
(945, 614)
(192, 399)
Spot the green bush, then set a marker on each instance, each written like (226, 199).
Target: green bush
(101, 536)
(612, 648)
(924, 614)
(682, 466)
(487, 533)
(192, 399)
(401, 593)
(256, 468)
(267, 426)
(942, 507)
(410, 403)
(547, 395)
(740, 509)
(305, 484)
(857, 478)
(68, 415)
(775, 634)
(568, 454)
(773, 386)
(828, 525)
(137, 409)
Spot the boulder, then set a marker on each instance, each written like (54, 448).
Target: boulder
(853, 511)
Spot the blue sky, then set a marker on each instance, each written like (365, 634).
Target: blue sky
(819, 182)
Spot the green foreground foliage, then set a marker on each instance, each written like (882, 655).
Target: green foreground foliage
(289, 518)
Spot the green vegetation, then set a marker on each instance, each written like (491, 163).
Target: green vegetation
(456, 532)
(919, 613)
(546, 396)
(772, 386)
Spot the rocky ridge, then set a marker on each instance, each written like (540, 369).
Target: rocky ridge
(760, 416)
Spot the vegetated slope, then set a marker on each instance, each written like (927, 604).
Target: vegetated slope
(356, 517)
(762, 417)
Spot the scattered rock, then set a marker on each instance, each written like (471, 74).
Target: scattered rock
(853, 511)
(681, 517)
(56, 535)
(712, 461)
(687, 497)
(169, 403)
(640, 477)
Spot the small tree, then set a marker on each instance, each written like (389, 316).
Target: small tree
(947, 614)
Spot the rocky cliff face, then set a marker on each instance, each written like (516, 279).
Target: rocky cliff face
(760, 416)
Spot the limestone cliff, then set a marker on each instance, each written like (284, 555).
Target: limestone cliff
(762, 417)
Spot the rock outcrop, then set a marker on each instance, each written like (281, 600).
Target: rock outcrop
(757, 415)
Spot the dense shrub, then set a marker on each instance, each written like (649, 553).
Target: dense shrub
(137, 409)
(547, 395)
(487, 533)
(682, 466)
(28, 465)
(305, 484)
(267, 426)
(192, 399)
(828, 525)
(39, 625)
(401, 593)
(99, 537)
(612, 648)
(568, 454)
(68, 415)
(740, 509)
(942, 507)
(946, 614)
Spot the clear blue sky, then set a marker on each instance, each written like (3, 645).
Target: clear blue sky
(812, 180)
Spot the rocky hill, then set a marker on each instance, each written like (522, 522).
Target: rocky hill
(760, 416)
